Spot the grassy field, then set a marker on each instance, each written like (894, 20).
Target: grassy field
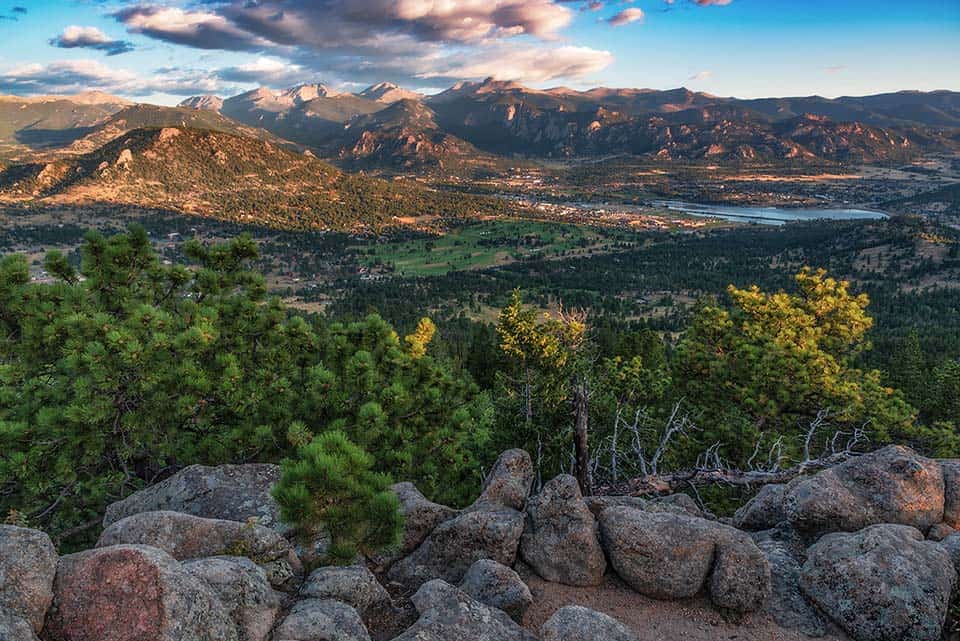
(487, 244)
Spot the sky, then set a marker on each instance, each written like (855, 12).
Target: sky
(165, 50)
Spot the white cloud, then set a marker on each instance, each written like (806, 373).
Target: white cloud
(627, 16)
(74, 76)
(356, 40)
(76, 36)
(530, 64)
(702, 75)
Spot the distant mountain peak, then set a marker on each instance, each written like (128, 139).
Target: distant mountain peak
(388, 92)
(308, 92)
(208, 102)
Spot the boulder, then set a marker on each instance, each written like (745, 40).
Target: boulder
(660, 555)
(597, 504)
(354, 585)
(184, 536)
(321, 620)
(764, 510)
(671, 556)
(672, 503)
(951, 492)
(892, 485)
(939, 532)
(678, 504)
(420, 517)
(787, 605)
(740, 581)
(576, 623)
(230, 492)
(244, 590)
(560, 539)
(456, 544)
(508, 483)
(28, 563)
(952, 545)
(15, 628)
(447, 613)
(133, 593)
(883, 583)
(497, 586)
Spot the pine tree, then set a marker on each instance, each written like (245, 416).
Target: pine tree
(330, 487)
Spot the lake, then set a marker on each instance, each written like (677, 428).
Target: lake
(768, 215)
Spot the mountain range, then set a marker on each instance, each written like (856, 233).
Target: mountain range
(388, 127)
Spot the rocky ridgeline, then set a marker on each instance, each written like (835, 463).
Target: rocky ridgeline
(868, 546)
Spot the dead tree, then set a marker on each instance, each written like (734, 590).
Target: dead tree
(710, 468)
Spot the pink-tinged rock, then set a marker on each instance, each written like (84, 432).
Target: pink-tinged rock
(892, 485)
(184, 536)
(133, 593)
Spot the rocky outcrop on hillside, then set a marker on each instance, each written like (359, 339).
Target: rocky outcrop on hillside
(848, 549)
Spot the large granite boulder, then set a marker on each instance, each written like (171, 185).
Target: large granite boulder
(660, 555)
(456, 544)
(672, 556)
(883, 583)
(576, 623)
(597, 504)
(508, 483)
(786, 604)
(133, 593)
(28, 563)
(244, 590)
(952, 545)
(321, 620)
(672, 503)
(740, 581)
(420, 516)
(230, 492)
(892, 485)
(184, 536)
(560, 540)
(447, 613)
(497, 586)
(14, 628)
(763, 511)
(951, 492)
(354, 585)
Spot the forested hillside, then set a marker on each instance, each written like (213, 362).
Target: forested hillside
(121, 368)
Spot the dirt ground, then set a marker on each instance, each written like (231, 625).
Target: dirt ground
(688, 620)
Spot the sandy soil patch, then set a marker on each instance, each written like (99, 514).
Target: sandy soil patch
(687, 620)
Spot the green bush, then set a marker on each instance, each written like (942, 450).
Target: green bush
(330, 487)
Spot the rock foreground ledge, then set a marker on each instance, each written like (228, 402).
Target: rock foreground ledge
(869, 547)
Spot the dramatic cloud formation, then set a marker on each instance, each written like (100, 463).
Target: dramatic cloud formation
(401, 40)
(200, 29)
(90, 38)
(626, 17)
(266, 71)
(534, 64)
(74, 76)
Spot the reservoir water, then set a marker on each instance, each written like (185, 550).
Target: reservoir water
(768, 215)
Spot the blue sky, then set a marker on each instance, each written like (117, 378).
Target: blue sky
(165, 50)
